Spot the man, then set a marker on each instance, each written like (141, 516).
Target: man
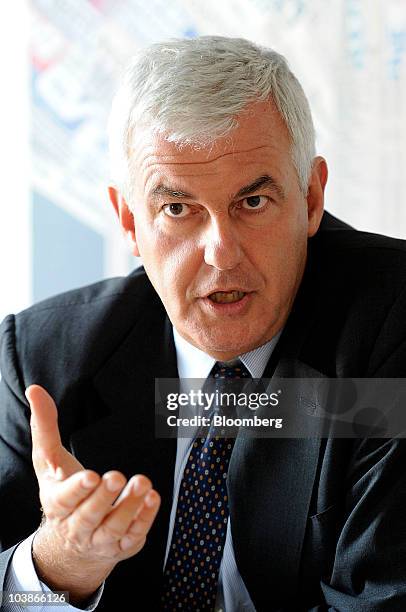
(217, 188)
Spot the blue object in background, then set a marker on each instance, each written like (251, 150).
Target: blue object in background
(66, 253)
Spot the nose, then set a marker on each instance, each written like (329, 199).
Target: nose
(222, 248)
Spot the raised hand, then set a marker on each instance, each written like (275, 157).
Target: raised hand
(91, 522)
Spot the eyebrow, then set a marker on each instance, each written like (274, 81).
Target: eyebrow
(262, 181)
(266, 181)
(163, 190)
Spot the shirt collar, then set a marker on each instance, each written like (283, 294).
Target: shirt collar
(194, 363)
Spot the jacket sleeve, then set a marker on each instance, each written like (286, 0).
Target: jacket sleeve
(369, 572)
(18, 482)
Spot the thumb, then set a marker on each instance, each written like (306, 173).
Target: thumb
(46, 440)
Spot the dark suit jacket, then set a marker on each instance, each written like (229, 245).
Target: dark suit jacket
(318, 523)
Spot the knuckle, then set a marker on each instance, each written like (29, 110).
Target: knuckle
(140, 543)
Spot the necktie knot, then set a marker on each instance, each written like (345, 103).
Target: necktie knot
(230, 369)
(226, 381)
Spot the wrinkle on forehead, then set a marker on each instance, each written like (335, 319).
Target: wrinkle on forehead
(260, 124)
(153, 164)
(255, 142)
(200, 162)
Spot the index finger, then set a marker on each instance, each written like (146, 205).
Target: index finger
(46, 440)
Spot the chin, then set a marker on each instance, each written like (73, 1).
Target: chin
(232, 342)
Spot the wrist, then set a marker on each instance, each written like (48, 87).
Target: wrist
(63, 570)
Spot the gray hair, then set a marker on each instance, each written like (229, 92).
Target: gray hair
(191, 91)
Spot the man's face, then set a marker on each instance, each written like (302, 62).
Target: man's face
(222, 231)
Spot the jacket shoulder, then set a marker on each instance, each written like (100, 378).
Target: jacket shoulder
(356, 282)
(78, 330)
(108, 290)
(356, 254)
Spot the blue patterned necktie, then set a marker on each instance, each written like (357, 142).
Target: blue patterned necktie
(199, 533)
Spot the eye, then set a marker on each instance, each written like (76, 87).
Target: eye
(176, 210)
(254, 202)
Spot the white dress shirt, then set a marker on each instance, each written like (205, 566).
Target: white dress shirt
(232, 594)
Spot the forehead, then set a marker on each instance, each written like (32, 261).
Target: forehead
(259, 143)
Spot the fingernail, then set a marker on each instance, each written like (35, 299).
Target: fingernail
(113, 485)
(126, 542)
(89, 481)
(137, 486)
(150, 499)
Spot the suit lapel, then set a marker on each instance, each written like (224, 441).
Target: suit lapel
(125, 440)
(271, 480)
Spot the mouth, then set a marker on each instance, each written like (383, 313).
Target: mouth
(226, 297)
(227, 303)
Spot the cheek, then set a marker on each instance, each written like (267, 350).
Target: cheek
(280, 258)
(171, 262)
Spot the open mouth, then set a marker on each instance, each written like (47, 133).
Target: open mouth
(226, 297)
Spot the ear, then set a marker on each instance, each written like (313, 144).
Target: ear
(315, 194)
(125, 217)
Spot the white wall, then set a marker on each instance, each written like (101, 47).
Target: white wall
(350, 56)
(15, 234)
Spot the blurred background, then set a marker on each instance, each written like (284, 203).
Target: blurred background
(60, 63)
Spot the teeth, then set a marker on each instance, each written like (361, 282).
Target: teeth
(226, 297)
